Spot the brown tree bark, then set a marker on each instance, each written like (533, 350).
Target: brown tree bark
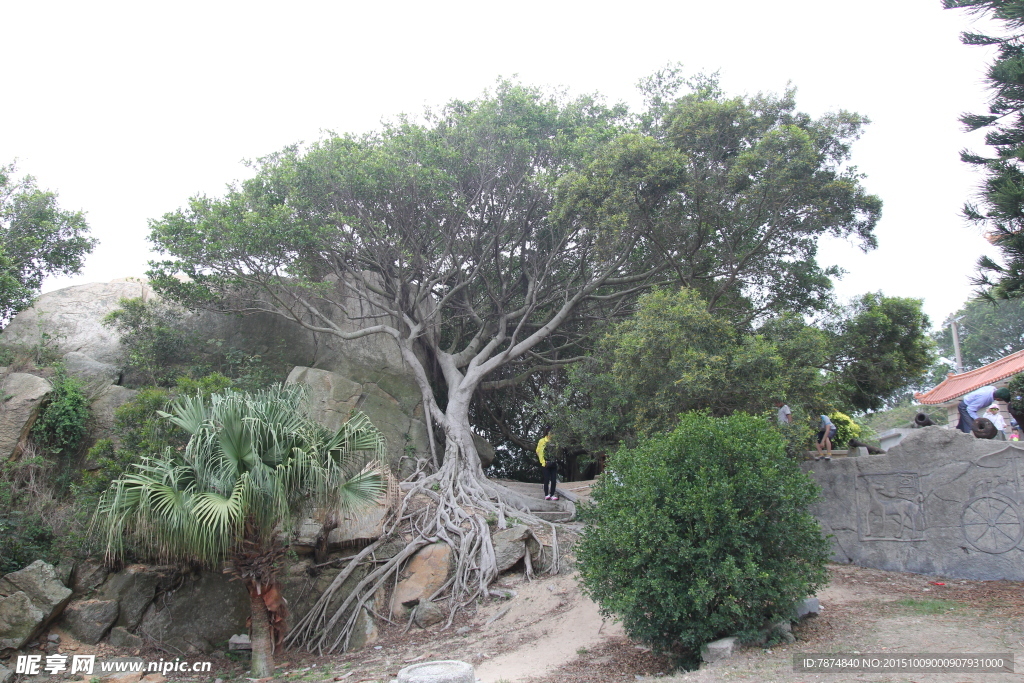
(260, 635)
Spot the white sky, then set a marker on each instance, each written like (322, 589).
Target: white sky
(127, 109)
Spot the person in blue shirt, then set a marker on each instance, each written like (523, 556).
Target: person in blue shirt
(976, 402)
(826, 432)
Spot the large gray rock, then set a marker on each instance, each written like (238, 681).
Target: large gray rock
(94, 375)
(134, 589)
(29, 599)
(334, 397)
(941, 502)
(89, 620)
(73, 319)
(202, 614)
(22, 397)
(103, 406)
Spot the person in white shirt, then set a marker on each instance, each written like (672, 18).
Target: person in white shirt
(996, 419)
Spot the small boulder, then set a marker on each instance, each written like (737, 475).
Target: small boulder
(718, 650)
(806, 607)
(364, 632)
(427, 614)
(88, 575)
(6, 675)
(89, 620)
(239, 642)
(510, 545)
(123, 638)
(426, 572)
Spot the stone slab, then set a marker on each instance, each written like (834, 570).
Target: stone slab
(445, 671)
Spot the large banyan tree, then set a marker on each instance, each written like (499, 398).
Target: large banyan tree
(487, 238)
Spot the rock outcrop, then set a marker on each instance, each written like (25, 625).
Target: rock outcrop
(29, 599)
(426, 572)
(23, 396)
(89, 620)
(72, 320)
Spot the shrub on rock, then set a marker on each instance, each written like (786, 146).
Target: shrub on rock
(702, 532)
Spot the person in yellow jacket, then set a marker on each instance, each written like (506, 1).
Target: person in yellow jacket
(548, 464)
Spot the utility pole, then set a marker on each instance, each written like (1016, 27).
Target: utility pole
(956, 341)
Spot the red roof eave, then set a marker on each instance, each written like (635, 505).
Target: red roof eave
(955, 386)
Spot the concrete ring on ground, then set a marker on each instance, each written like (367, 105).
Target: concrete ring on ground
(444, 671)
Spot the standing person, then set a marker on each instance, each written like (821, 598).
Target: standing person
(826, 432)
(548, 464)
(975, 402)
(998, 421)
(785, 414)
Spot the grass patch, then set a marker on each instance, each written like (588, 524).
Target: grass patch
(928, 606)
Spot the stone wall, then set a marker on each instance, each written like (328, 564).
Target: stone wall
(941, 502)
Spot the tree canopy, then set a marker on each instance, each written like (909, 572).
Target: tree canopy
(673, 355)
(988, 331)
(37, 239)
(1000, 208)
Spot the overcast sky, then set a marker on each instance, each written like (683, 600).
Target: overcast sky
(127, 109)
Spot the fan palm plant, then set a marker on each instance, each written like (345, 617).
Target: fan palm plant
(252, 463)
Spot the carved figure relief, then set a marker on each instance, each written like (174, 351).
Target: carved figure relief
(890, 507)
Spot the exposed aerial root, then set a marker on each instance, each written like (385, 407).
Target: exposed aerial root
(460, 502)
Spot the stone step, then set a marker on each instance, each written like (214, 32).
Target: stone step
(557, 516)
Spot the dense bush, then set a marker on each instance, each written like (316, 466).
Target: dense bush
(846, 429)
(702, 532)
(64, 421)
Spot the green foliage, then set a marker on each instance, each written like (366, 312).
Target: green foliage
(798, 434)
(159, 348)
(702, 532)
(154, 343)
(1016, 402)
(672, 356)
(846, 429)
(252, 461)
(880, 347)
(24, 538)
(205, 386)
(37, 239)
(63, 422)
(1000, 210)
(900, 416)
(988, 331)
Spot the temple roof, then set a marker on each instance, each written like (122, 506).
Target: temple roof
(955, 386)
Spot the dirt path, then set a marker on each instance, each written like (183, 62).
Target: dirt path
(550, 633)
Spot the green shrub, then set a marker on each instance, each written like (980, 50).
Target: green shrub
(64, 421)
(701, 533)
(24, 538)
(846, 429)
